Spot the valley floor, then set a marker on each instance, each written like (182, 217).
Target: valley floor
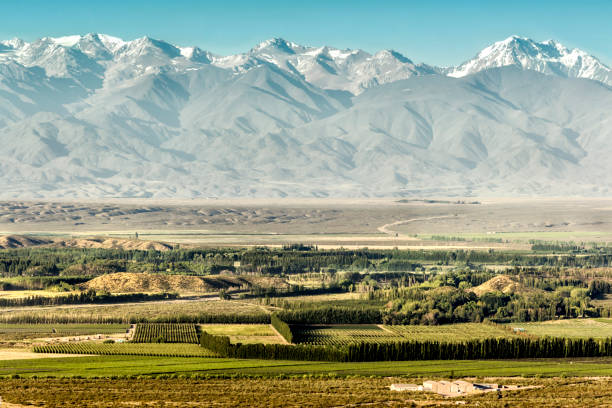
(328, 223)
(112, 366)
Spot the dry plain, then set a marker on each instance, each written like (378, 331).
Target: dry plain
(329, 223)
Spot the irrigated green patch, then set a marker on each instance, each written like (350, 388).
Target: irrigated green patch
(238, 329)
(244, 333)
(339, 335)
(165, 333)
(575, 328)
(108, 366)
(451, 332)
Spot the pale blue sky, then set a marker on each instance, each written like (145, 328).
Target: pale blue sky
(437, 32)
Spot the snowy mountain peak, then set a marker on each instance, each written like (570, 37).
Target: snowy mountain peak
(513, 38)
(392, 54)
(196, 54)
(108, 41)
(14, 43)
(67, 41)
(278, 44)
(548, 57)
(94, 115)
(352, 70)
(149, 47)
(514, 48)
(112, 43)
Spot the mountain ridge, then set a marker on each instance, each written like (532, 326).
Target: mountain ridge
(550, 53)
(96, 116)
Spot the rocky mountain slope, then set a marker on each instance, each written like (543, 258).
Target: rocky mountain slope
(96, 116)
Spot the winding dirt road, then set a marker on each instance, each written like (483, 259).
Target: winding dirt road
(386, 229)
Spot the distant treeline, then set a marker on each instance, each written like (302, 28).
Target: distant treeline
(292, 290)
(40, 282)
(92, 262)
(90, 296)
(332, 315)
(200, 318)
(556, 247)
(560, 246)
(462, 239)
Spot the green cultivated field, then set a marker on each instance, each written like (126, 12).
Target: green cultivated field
(238, 329)
(527, 235)
(109, 366)
(136, 349)
(165, 333)
(244, 333)
(575, 328)
(125, 312)
(338, 335)
(450, 332)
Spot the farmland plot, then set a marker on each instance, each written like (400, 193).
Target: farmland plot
(244, 333)
(165, 333)
(450, 332)
(573, 328)
(339, 335)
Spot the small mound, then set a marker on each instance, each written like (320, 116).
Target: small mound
(125, 282)
(19, 241)
(115, 243)
(501, 283)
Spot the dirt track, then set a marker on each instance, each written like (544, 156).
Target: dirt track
(25, 354)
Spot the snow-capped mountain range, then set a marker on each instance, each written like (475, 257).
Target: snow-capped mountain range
(547, 57)
(97, 116)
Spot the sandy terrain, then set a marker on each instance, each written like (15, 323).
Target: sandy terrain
(10, 405)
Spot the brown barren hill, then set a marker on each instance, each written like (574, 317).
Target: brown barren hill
(19, 241)
(125, 282)
(501, 283)
(115, 243)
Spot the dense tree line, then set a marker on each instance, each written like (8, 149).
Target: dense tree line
(200, 318)
(293, 290)
(40, 282)
(493, 348)
(598, 288)
(573, 247)
(91, 262)
(90, 296)
(332, 315)
(282, 328)
(500, 348)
